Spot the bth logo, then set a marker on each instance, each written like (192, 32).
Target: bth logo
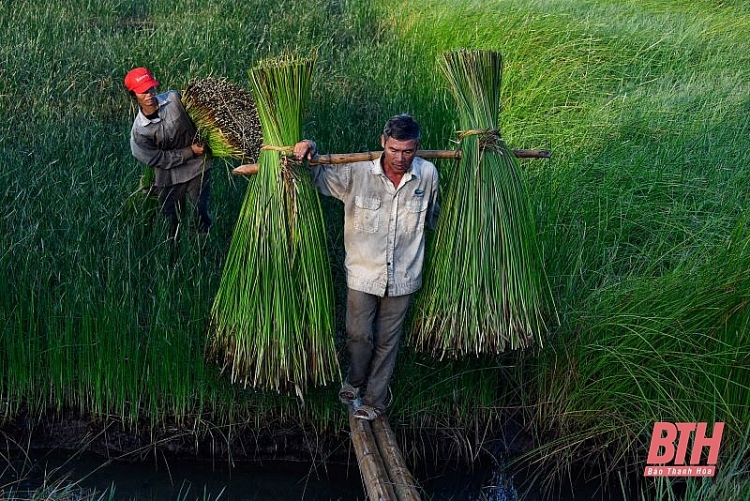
(669, 447)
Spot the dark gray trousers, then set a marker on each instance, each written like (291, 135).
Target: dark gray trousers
(373, 329)
(172, 201)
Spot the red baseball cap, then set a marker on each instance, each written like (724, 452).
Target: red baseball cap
(139, 80)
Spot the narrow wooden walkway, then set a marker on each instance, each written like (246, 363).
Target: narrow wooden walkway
(381, 463)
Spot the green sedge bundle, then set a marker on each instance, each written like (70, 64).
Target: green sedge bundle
(272, 317)
(484, 288)
(225, 116)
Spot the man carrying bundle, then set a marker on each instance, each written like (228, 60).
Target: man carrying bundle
(387, 203)
(164, 137)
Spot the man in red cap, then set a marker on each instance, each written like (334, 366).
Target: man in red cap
(164, 137)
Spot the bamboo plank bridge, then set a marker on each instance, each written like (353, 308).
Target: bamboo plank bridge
(380, 461)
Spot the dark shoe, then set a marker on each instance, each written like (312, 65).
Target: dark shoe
(367, 412)
(348, 394)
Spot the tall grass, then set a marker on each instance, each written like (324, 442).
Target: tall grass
(643, 104)
(96, 315)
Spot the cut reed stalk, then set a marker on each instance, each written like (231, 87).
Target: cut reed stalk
(142, 203)
(272, 317)
(485, 290)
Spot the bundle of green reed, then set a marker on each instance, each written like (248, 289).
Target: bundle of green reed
(272, 318)
(225, 116)
(484, 290)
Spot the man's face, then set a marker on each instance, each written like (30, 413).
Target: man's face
(147, 99)
(398, 154)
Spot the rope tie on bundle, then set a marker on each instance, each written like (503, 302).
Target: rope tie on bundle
(287, 158)
(489, 139)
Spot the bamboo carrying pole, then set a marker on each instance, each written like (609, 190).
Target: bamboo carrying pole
(343, 158)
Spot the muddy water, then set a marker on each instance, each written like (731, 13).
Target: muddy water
(164, 480)
(160, 479)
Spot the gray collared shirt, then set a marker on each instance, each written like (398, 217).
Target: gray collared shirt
(164, 142)
(383, 225)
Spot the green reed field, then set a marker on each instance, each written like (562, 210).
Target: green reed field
(642, 215)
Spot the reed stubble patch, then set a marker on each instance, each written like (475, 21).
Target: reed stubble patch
(226, 117)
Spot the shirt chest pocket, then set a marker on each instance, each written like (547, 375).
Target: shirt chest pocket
(416, 210)
(366, 214)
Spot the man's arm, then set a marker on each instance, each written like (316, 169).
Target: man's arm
(332, 181)
(146, 152)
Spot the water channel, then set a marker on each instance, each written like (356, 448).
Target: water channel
(164, 479)
(167, 479)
